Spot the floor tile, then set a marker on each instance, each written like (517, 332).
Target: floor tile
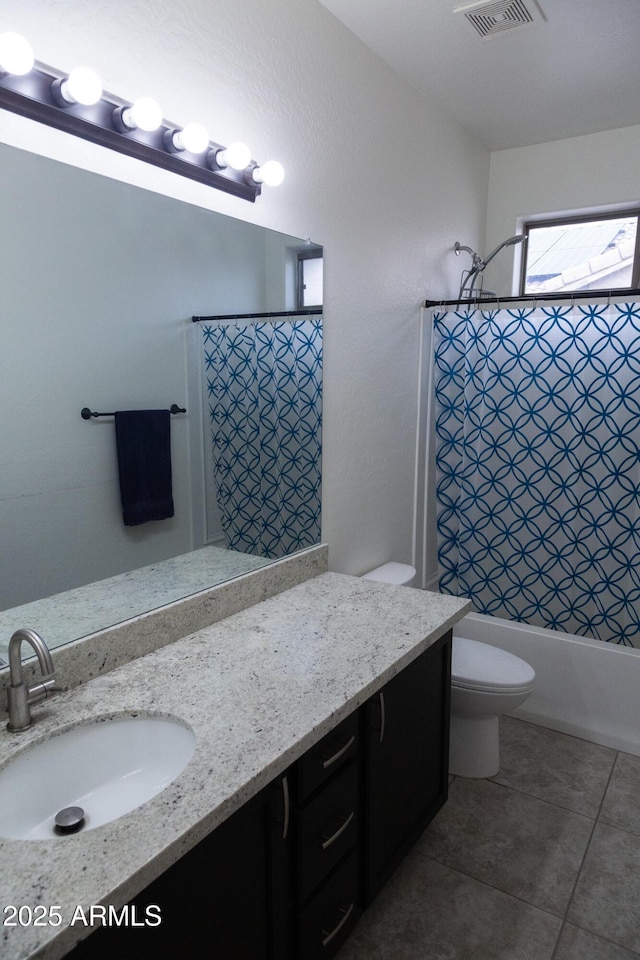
(493, 875)
(607, 897)
(620, 807)
(517, 843)
(430, 912)
(553, 766)
(577, 944)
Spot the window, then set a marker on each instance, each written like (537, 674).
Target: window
(310, 271)
(582, 253)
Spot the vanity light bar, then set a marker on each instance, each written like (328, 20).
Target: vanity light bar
(59, 100)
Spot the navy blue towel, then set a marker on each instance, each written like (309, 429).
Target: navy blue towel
(143, 443)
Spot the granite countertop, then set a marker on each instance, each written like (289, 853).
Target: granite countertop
(257, 689)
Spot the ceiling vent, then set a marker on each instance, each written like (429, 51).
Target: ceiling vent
(490, 17)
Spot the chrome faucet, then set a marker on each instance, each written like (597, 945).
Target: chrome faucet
(19, 695)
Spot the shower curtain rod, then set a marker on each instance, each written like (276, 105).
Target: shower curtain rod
(315, 311)
(534, 298)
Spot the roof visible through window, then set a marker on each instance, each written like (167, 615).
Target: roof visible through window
(581, 254)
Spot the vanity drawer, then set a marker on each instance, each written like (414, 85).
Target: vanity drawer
(329, 917)
(329, 755)
(327, 830)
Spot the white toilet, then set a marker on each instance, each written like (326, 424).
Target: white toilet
(486, 682)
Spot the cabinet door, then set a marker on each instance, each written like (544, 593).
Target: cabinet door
(406, 760)
(219, 900)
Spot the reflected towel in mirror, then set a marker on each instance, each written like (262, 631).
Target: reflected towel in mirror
(143, 443)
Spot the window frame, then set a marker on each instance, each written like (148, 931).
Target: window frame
(592, 217)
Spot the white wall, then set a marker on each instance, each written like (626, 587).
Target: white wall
(290, 79)
(562, 176)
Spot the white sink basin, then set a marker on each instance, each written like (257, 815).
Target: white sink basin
(107, 768)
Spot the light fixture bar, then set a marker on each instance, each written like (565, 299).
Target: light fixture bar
(32, 95)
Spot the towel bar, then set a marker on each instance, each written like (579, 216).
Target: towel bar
(86, 413)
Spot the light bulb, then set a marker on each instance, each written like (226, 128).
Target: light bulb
(145, 114)
(81, 86)
(194, 138)
(237, 156)
(270, 173)
(16, 55)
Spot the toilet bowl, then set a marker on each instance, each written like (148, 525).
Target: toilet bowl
(486, 682)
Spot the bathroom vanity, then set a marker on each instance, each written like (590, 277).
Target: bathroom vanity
(321, 725)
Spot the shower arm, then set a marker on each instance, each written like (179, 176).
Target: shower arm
(476, 260)
(469, 277)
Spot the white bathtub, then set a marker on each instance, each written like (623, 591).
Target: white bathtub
(584, 687)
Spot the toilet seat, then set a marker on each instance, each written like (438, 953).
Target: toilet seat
(479, 666)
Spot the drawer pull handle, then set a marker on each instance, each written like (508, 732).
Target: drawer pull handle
(328, 937)
(382, 716)
(285, 804)
(341, 752)
(341, 829)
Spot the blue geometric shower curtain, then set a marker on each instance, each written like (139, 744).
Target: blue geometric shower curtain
(264, 394)
(538, 464)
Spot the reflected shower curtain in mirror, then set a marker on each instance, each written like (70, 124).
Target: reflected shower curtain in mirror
(263, 383)
(537, 425)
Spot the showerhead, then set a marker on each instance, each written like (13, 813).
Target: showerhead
(505, 243)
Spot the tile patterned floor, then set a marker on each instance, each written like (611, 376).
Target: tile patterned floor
(541, 862)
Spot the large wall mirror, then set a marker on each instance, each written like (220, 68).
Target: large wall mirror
(99, 282)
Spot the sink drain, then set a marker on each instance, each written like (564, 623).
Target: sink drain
(69, 820)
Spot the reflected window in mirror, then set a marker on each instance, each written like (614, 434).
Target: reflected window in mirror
(310, 278)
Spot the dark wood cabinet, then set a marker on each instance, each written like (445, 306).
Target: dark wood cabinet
(325, 922)
(406, 750)
(327, 829)
(227, 897)
(286, 877)
(328, 756)
(328, 842)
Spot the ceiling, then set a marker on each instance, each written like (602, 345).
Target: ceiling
(574, 70)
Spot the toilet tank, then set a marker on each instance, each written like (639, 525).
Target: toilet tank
(400, 574)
